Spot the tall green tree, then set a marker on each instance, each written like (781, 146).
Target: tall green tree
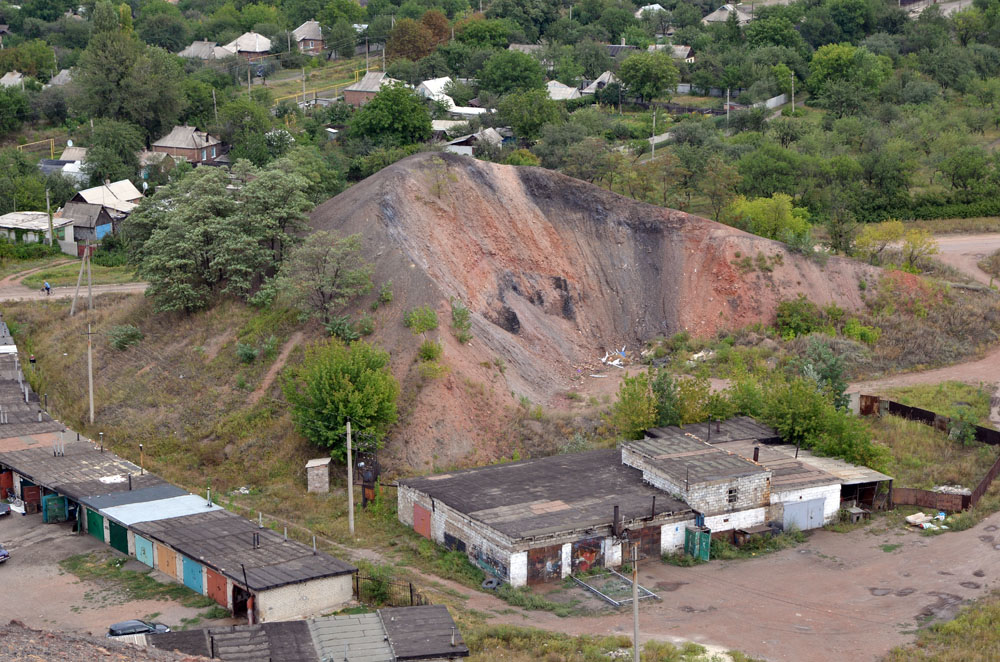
(509, 71)
(395, 116)
(114, 151)
(337, 383)
(649, 75)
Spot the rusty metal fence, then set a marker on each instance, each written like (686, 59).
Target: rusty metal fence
(383, 592)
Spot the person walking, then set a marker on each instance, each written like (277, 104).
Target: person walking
(48, 288)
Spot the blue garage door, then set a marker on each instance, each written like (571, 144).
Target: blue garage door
(192, 574)
(144, 550)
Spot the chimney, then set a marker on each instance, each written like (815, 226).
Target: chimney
(652, 511)
(208, 499)
(130, 482)
(616, 526)
(756, 453)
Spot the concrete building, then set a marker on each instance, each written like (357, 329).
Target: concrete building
(309, 37)
(318, 475)
(189, 143)
(538, 520)
(365, 89)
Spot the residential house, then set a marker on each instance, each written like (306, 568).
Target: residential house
(464, 144)
(721, 15)
(73, 153)
(249, 45)
(30, 227)
(70, 169)
(685, 53)
(60, 79)
(12, 79)
(206, 50)
(309, 37)
(527, 49)
(363, 91)
(603, 80)
(559, 92)
(118, 199)
(622, 50)
(648, 8)
(91, 223)
(189, 143)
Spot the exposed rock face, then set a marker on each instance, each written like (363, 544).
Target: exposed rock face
(556, 270)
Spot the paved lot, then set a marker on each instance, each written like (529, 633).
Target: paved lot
(41, 595)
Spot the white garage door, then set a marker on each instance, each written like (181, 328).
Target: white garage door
(804, 515)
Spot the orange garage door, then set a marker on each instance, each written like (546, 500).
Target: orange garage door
(217, 587)
(166, 560)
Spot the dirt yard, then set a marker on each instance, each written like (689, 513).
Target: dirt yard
(41, 595)
(838, 596)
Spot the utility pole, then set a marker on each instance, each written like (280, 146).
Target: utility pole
(79, 279)
(635, 602)
(248, 77)
(727, 106)
(48, 209)
(350, 482)
(90, 372)
(90, 281)
(366, 53)
(793, 92)
(303, 84)
(653, 141)
(215, 106)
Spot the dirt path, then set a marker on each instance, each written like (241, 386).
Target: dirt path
(279, 363)
(16, 278)
(964, 251)
(11, 288)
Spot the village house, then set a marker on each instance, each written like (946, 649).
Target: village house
(91, 223)
(189, 143)
(721, 15)
(12, 79)
(363, 91)
(33, 227)
(600, 83)
(249, 45)
(559, 92)
(206, 50)
(309, 37)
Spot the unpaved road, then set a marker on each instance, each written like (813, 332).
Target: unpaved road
(836, 597)
(964, 251)
(11, 288)
(40, 594)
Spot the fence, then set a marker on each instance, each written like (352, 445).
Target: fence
(374, 590)
(873, 405)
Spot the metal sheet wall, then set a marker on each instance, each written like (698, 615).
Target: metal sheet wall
(422, 520)
(192, 575)
(95, 524)
(216, 587)
(166, 560)
(144, 550)
(119, 536)
(544, 564)
(587, 554)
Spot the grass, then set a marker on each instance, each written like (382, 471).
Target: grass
(756, 546)
(335, 72)
(65, 275)
(958, 225)
(973, 636)
(525, 598)
(891, 547)
(923, 457)
(944, 398)
(14, 266)
(991, 264)
(133, 584)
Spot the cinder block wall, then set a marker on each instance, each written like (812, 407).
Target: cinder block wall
(295, 601)
(829, 493)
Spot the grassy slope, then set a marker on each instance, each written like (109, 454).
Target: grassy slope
(974, 636)
(944, 398)
(67, 274)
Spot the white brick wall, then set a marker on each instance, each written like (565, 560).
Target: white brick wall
(612, 553)
(738, 520)
(519, 569)
(672, 536)
(829, 493)
(296, 601)
(567, 560)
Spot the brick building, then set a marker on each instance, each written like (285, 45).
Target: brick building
(190, 144)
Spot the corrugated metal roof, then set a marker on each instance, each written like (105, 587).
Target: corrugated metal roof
(850, 474)
(371, 82)
(37, 221)
(150, 511)
(359, 637)
(151, 493)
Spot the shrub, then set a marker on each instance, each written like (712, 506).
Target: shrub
(856, 330)
(797, 317)
(340, 326)
(429, 350)
(246, 353)
(421, 319)
(366, 325)
(385, 293)
(962, 426)
(124, 336)
(460, 321)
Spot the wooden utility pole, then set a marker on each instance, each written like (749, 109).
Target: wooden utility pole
(79, 279)
(215, 106)
(90, 281)
(303, 84)
(653, 141)
(90, 372)
(48, 209)
(350, 482)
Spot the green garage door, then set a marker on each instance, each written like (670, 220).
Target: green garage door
(95, 524)
(119, 536)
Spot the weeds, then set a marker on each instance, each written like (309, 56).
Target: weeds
(681, 560)
(525, 598)
(134, 585)
(429, 350)
(420, 320)
(970, 636)
(460, 321)
(757, 545)
(124, 336)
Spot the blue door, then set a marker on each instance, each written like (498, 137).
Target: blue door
(144, 550)
(192, 575)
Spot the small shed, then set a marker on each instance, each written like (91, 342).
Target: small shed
(318, 474)
(32, 226)
(363, 91)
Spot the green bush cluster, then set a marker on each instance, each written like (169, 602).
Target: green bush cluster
(21, 251)
(420, 319)
(461, 321)
(124, 336)
(246, 353)
(798, 317)
(429, 350)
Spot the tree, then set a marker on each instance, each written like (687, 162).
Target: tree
(649, 75)
(593, 57)
(114, 151)
(827, 370)
(589, 160)
(876, 237)
(492, 34)
(719, 184)
(14, 109)
(509, 71)
(409, 40)
(323, 273)
(342, 38)
(166, 31)
(122, 78)
(635, 409)
(337, 383)
(849, 64)
(528, 111)
(395, 116)
(918, 244)
(438, 25)
(966, 167)
(774, 217)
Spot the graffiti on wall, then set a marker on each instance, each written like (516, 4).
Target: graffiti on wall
(587, 553)
(544, 564)
(490, 563)
(451, 542)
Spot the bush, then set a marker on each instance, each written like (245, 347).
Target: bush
(366, 325)
(856, 330)
(246, 353)
(340, 326)
(429, 350)
(460, 321)
(421, 320)
(962, 426)
(16, 251)
(124, 336)
(797, 317)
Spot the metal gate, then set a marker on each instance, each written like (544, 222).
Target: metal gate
(698, 542)
(144, 550)
(216, 587)
(803, 515)
(421, 520)
(648, 538)
(119, 536)
(192, 574)
(95, 524)
(54, 508)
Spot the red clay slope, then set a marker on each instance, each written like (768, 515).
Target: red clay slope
(555, 270)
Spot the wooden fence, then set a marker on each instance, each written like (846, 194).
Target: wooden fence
(873, 405)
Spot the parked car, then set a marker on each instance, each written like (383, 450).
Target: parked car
(136, 627)
(4, 554)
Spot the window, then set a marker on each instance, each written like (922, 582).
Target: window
(213, 152)
(733, 495)
(310, 43)
(204, 154)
